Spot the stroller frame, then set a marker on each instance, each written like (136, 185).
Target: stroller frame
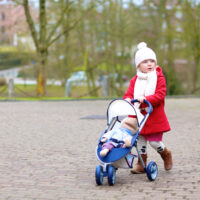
(108, 170)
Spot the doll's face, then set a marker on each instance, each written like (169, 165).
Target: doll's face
(131, 124)
(147, 66)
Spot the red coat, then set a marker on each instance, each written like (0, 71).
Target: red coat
(157, 121)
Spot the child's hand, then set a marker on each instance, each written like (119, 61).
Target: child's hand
(103, 139)
(128, 99)
(141, 99)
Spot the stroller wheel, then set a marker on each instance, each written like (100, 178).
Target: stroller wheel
(99, 175)
(152, 171)
(111, 175)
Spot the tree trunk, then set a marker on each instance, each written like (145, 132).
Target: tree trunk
(41, 75)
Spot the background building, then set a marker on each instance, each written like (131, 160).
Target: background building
(13, 26)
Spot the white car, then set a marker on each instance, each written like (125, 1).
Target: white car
(79, 76)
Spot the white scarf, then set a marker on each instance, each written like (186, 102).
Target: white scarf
(145, 84)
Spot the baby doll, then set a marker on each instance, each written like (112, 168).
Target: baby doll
(124, 133)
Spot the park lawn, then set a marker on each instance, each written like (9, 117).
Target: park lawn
(52, 91)
(31, 91)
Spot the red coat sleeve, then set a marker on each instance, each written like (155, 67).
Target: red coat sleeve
(130, 90)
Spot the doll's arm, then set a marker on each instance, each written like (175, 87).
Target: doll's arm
(104, 139)
(127, 141)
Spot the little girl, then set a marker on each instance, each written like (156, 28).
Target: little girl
(149, 84)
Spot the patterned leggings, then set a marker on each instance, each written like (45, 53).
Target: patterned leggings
(142, 145)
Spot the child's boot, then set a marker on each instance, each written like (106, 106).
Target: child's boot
(104, 152)
(139, 169)
(166, 155)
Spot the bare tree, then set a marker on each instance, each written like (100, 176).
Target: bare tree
(47, 34)
(43, 39)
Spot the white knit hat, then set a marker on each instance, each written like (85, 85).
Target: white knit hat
(144, 53)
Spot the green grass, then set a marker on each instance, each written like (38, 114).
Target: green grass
(28, 92)
(53, 92)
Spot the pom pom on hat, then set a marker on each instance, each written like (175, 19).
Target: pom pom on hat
(141, 45)
(144, 53)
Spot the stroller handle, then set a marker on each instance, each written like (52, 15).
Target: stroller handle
(146, 102)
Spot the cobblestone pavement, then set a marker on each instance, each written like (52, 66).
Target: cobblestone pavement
(47, 152)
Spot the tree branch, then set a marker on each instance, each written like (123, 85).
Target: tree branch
(43, 23)
(30, 23)
(58, 23)
(70, 28)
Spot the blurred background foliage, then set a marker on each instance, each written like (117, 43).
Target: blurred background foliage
(100, 38)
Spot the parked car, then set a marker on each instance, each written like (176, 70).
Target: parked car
(79, 76)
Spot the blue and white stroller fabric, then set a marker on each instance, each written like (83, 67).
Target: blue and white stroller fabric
(117, 111)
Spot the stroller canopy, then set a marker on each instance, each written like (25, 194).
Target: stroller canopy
(122, 108)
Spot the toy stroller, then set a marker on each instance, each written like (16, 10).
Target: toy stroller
(122, 157)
